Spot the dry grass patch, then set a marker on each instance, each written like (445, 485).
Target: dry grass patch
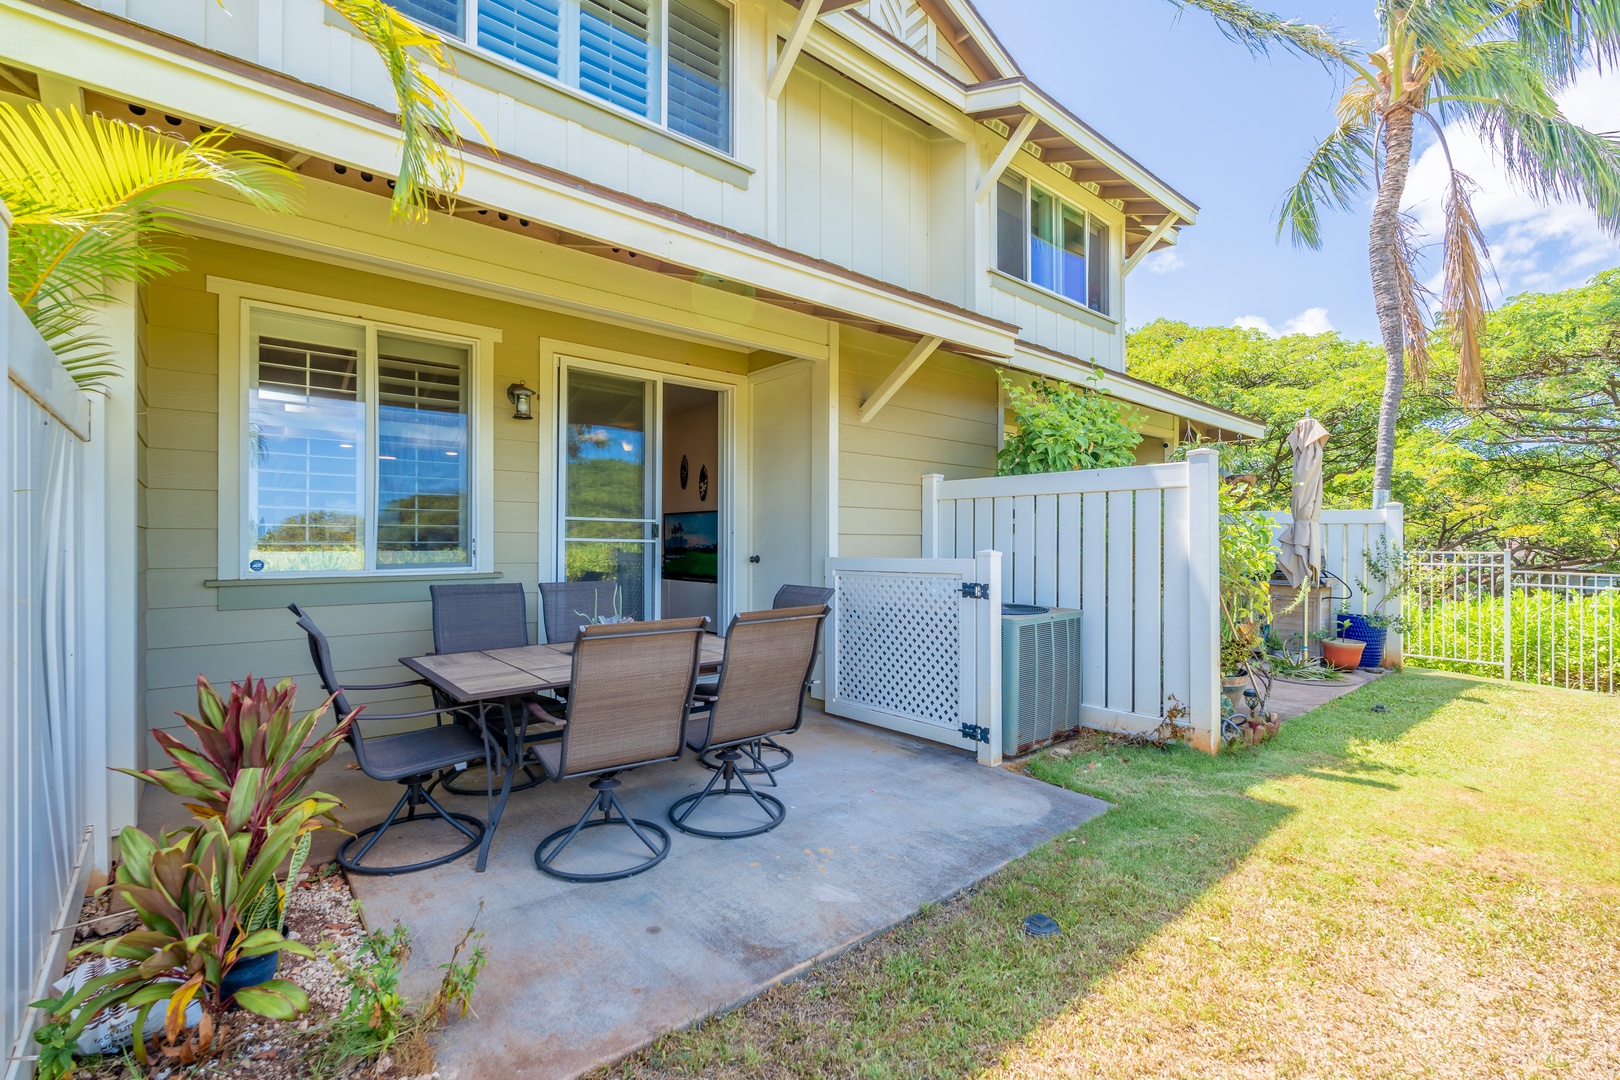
(1430, 890)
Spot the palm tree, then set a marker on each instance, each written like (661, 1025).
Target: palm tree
(1490, 65)
(92, 197)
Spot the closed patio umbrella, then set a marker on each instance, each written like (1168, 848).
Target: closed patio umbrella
(1300, 556)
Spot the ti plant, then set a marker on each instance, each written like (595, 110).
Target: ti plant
(191, 891)
(249, 771)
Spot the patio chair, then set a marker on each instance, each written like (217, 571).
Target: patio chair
(763, 681)
(565, 606)
(475, 618)
(416, 759)
(632, 692)
(788, 596)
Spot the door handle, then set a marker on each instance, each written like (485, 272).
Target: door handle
(754, 559)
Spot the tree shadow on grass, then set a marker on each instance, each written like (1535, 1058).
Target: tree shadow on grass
(951, 990)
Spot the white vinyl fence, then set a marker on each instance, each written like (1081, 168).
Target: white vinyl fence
(1348, 537)
(1136, 550)
(47, 763)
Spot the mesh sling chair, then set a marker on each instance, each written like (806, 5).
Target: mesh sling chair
(788, 596)
(417, 759)
(475, 618)
(565, 606)
(631, 695)
(763, 681)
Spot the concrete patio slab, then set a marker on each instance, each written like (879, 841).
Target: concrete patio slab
(1290, 699)
(583, 974)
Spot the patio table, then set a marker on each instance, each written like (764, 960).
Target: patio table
(506, 675)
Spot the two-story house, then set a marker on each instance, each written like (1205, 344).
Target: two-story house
(731, 277)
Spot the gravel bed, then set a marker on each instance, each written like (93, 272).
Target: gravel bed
(319, 909)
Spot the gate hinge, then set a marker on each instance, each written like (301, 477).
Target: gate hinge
(975, 733)
(975, 590)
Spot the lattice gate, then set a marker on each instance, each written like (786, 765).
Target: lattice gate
(909, 648)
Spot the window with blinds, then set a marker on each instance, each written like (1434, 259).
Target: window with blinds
(671, 66)
(529, 32)
(700, 71)
(421, 453)
(615, 52)
(442, 15)
(348, 426)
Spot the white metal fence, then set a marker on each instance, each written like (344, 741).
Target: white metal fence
(1474, 610)
(48, 763)
(913, 646)
(1136, 550)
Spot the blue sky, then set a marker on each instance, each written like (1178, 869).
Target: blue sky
(1231, 132)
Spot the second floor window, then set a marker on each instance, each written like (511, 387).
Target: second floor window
(1046, 242)
(666, 60)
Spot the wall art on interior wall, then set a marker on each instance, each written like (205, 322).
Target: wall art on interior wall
(703, 484)
(684, 472)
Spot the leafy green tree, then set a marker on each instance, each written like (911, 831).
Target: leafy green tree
(1536, 466)
(1063, 427)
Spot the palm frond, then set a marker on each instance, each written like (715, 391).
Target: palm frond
(91, 196)
(1258, 30)
(1464, 291)
(1556, 159)
(1564, 36)
(1414, 300)
(1339, 170)
(430, 164)
(1473, 75)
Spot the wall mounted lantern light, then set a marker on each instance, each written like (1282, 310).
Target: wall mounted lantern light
(520, 396)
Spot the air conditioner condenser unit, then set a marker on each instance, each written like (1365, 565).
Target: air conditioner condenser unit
(1040, 676)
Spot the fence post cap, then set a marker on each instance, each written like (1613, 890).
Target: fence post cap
(1203, 453)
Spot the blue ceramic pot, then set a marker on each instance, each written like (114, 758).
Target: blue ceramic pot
(1362, 629)
(250, 972)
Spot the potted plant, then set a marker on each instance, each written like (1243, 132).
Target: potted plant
(1386, 565)
(193, 894)
(250, 769)
(1338, 651)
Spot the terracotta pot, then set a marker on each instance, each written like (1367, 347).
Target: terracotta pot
(1344, 655)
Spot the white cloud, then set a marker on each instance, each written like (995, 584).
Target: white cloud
(1310, 321)
(1164, 261)
(1532, 247)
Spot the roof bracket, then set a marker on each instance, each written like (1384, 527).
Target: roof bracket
(897, 378)
(809, 12)
(1014, 143)
(1146, 247)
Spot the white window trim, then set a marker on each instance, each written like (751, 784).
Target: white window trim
(236, 300)
(1029, 183)
(568, 69)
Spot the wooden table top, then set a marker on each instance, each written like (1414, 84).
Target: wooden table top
(502, 673)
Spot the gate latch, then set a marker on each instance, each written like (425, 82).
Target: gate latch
(975, 733)
(975, 590)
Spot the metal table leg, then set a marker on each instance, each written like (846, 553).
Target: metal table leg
(512, 743)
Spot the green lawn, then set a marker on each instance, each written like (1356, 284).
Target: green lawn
(1431, 890)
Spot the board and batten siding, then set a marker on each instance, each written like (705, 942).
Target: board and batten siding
(519, 111)
(943, 420)
(191, 628)
(856, 178)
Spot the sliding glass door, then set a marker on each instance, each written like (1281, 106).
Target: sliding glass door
(610, 500)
